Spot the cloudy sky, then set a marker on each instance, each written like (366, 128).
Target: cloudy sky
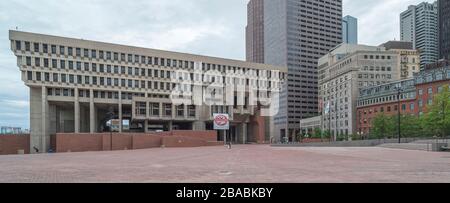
(208, 27)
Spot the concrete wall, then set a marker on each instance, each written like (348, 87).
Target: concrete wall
(82, 142)
(11, 144)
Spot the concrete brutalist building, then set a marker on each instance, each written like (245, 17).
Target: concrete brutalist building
(74, 83)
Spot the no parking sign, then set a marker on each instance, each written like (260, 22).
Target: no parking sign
(221, 122)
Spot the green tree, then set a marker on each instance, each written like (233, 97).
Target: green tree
(383, 126)
(317, 133)
(326, 134)
(411, 126)
(437, 120)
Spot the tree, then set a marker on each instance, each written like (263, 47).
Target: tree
(327, 134)
(437, 120)
(411, 126)
(383, 126)
(317, 133)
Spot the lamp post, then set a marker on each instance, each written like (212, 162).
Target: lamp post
(399, 92)
(111, 115)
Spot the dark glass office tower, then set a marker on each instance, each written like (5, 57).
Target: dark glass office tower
(255, 31)
(296, 34)
(444, 29)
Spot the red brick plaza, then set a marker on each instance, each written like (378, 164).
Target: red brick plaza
(243, 163)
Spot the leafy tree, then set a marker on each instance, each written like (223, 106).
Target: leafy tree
(356, 137)
(437, 120)
(326, 134)
(317, 133)
(411, 126)
(383, 126)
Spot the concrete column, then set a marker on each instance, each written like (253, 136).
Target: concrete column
(120, 111)
(35, 119)
(174, 112)
(236, 135)
(245, 134)
(92, 112)
(148, 110)
(170, 125)
(76, 112)
(45, 124)
(160, 110)
(146, 126)
(294, 131)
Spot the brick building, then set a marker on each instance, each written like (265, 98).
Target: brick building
(383, 99)
(416, 95)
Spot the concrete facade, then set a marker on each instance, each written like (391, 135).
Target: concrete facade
(296, 34)
(75, 83)
(342, 73)
(350, 30)
(419, 25)
(409, 62)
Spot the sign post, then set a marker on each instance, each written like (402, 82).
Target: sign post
(222, 122)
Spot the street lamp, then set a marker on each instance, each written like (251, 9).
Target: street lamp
(399, 90)
(111, 115)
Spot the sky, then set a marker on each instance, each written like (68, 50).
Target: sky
(206, 27)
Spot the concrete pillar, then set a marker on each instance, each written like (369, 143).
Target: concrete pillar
(146, 126)
(147, 104)
(120, 112)
(245, 134)
(45, 138)
(174, 112)
(170, 125)
(92, 123)
(294, 135)
(35, 119)
(76, 112)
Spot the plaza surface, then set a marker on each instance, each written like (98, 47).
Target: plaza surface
(244, 163)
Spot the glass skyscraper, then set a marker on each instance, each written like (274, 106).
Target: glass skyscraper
(350, 30)
(296, 34)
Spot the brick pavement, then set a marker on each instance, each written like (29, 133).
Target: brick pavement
(248, 164)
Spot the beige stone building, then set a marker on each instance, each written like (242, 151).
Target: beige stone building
(409, 62)
(345, 70)
(75, 84)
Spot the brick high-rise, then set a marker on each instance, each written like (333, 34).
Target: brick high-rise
(296, 34)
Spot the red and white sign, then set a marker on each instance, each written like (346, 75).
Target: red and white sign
(221, 122)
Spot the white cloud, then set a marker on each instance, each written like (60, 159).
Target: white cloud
(379, 21)
(178, 38)
(15, 103)
(9, 116)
